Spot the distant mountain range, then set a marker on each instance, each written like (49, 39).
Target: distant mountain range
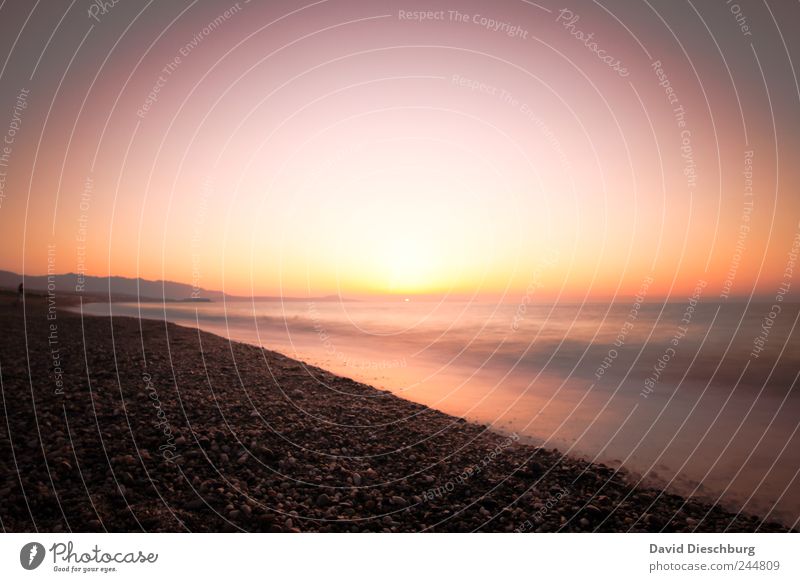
(126, 288)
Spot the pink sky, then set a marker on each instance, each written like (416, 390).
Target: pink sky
(346, 147)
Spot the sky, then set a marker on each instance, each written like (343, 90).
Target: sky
(458, 149)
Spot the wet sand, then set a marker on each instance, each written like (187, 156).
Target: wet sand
(136, 425)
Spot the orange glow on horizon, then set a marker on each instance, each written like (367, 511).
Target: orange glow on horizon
(380, 157)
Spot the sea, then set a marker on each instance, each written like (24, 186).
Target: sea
(696, 397)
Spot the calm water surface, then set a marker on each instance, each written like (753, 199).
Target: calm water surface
(678, 398)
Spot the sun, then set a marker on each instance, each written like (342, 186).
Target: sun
(409, 265)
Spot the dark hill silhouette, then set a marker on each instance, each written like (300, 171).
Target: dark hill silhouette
(127, 288)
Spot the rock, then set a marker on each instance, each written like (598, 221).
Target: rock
(399, 501)
(593, 511)
(196, 503)
(533, 469)
(323, 500)
(356, 479)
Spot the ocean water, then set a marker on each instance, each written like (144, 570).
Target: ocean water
(702, 399)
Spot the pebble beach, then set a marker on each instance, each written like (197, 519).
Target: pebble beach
(128, 425)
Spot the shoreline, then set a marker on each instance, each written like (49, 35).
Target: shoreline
(193, 432)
